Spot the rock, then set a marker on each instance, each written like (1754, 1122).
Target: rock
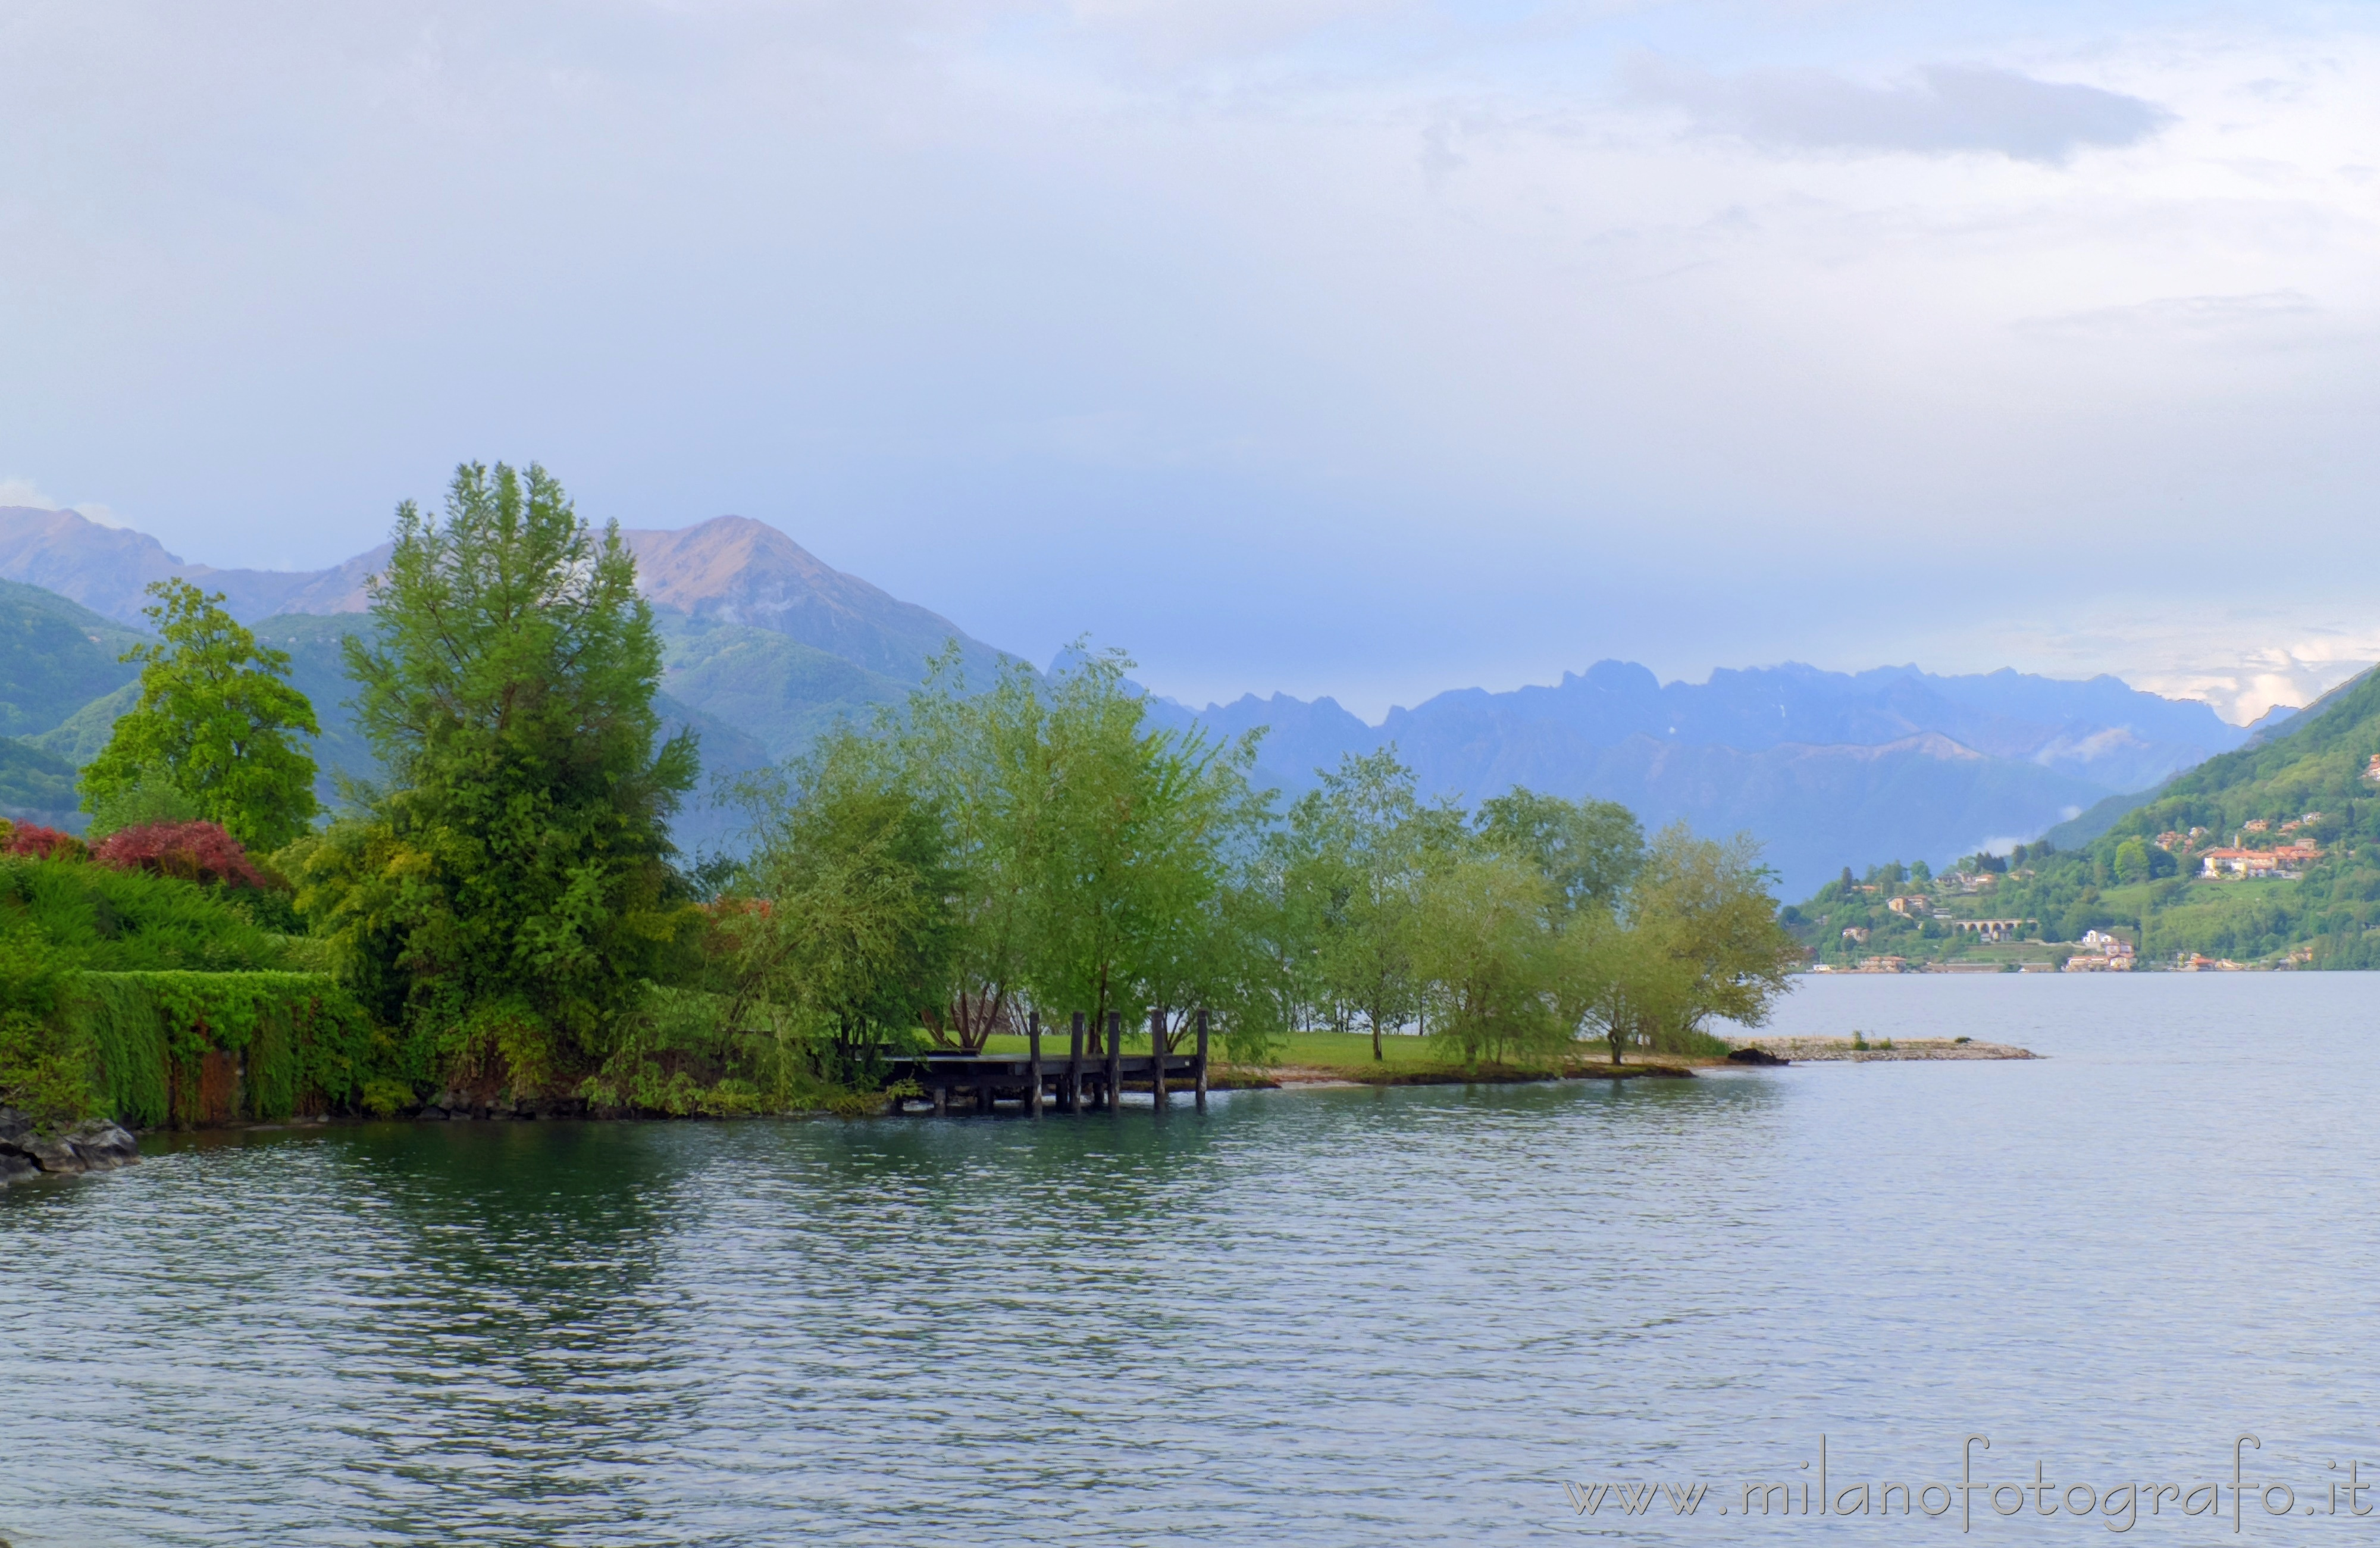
(13, 1124)
(1754, 1056)
(51, 1154)
(14, 1168)
(103, 1146)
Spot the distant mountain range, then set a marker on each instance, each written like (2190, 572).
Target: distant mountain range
(767, 644)
(1828, 768)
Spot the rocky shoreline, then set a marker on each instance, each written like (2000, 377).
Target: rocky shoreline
(1844, 1050)
(25, 1151)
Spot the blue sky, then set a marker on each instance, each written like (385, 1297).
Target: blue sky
(1361, 347)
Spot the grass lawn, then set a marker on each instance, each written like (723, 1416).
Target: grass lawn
(1348, 1057)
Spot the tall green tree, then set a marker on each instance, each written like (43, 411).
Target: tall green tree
(509, 890)
(1364, 842)
(1097, 853)
(856, 922)
(1588, 852)
(981, 761)
(1707, 904)
(1621, 982)
(1482, 947)
(1145, 825)
(217, 720)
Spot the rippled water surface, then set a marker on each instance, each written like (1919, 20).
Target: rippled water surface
(1326, 1316)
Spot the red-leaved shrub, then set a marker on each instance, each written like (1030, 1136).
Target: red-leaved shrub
(32, 838)
(193, 851)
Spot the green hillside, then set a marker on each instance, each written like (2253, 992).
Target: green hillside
(37, 787)
(2142, 877)
(770, 687)
(56, 656)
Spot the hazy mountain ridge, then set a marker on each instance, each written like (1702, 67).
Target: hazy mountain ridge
(729, 569)
(766, 646)
(1828, 768)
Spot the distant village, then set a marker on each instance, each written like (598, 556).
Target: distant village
(1908, 920)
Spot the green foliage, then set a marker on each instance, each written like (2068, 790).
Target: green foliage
(1707, 903)
(39, 1074)
(860, 927)
(1483, 943)
(191, 1048)
(131, 921)
(216, 717)
(152, 1048)
(1358, 850)
(508, 895)
(1623, 984)
(1097, 858)
(151, 796)
(1588, 852)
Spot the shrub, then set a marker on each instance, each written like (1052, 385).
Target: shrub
(151, 798)
(45, 844)
(132, 920)
(39, 1074)
(193, 851)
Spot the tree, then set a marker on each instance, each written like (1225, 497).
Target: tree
(1135, 852)
(1706, 903)
(1623, 983)
(1482, 945)
(979, 760)
(1095, 854)
(508, 892)
(1365, 843)
(856, 923)
(1588, 850)
(216, 719)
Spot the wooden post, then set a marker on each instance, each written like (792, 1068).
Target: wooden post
(1202, 1061)
(1157, 1057)
(1033, 1056)
(1075, 1068)
(1115, 1058)
(942, 1097)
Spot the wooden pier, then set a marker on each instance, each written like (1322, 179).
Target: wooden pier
(1087, 1077)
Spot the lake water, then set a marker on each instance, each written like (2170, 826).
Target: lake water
(1311, 1317)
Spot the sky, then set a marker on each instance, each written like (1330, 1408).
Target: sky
(1367, 348)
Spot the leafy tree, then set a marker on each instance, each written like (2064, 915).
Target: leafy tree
(509, 891)
(860, 925)
(216, 717)
(151, 797)
(2133, 861)
(1143, 828)
(980, 761)
(1097, 855)
(1707, 904)
(1366, 844)
(1623, 983)
(1588, 850)
(1482, 947)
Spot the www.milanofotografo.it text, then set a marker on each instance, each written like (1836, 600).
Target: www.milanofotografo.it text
(1974, 1497)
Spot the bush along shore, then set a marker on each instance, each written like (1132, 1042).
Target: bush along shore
(498, 925)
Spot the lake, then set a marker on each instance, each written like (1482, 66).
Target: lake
(1428, 1315)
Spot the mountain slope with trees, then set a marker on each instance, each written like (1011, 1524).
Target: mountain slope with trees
(2302, 805)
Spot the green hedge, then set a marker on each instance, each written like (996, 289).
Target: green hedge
(189, 1048)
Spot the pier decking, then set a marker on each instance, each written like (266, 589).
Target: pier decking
(1086, 1078)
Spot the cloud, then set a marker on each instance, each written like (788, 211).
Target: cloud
(2187, 316)
(1946, 110)
(25, 492)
